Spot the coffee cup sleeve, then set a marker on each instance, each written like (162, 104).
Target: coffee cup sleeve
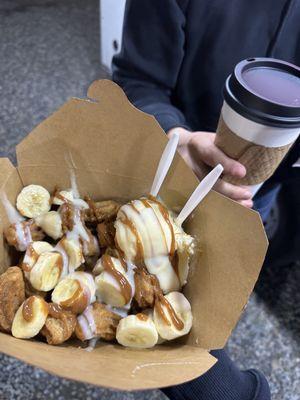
(260, 161)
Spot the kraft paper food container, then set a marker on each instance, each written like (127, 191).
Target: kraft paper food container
(114, 150)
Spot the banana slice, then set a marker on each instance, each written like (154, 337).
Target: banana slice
(113, 287)
(30, 318)
(62, 197)
(34, 250)
(185, 250)
(46, 272)
(137, 331)
(149, 312)
(74, 252)
(75, 292)
(172, 316)
(51, 224)
(33, 200)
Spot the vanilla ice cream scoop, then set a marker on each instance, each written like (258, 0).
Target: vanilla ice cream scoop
(147, 235)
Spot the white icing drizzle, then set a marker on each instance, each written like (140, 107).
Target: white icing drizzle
(91, 286)
(85, 327)
(60, 249)
(90, 318)
(12, 214)
(87, 324)
(92, 344)
(79, 203)
(74, 184)
(121, 311)
(23, 234)
(79, 230)
(130, 277)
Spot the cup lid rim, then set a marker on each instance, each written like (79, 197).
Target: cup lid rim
(255, 106)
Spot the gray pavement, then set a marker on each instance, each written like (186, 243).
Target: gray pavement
(49, 51)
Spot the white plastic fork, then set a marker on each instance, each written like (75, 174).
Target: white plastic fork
(164, 164)
(199, 193)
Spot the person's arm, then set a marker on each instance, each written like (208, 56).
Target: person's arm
(147, 69)
(152, 51)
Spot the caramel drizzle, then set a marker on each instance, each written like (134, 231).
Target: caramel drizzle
(92, 205)
(138, 291)
(60, 262)
(75, 296)
(173, 256)
(122, 260)
(26, 267)
(139, 258)
(60, 197)
(55, 311)
(31, 253)
(161, 302)
(142, 317)
(67, 213)
(118, 276)
(27, 309)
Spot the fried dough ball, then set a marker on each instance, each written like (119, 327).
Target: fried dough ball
(146, 286)
(101, 211)
(60, 325)
(29, 231)
(105, 323)
(106, 234)
(12, 295)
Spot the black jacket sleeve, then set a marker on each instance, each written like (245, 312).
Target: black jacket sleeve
(152, 51)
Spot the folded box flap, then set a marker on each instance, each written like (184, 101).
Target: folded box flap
(113, 366)
(113, 147)
(231, 249)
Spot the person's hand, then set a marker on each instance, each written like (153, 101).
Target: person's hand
(199, 152)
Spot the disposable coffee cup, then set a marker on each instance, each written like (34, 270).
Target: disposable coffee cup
(260, 117)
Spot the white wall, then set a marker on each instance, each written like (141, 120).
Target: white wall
(111, 23)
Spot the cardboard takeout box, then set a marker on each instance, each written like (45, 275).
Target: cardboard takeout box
(114, 150)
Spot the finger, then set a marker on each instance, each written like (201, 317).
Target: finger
(246, 203)
(212, 156)
(232, 191)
